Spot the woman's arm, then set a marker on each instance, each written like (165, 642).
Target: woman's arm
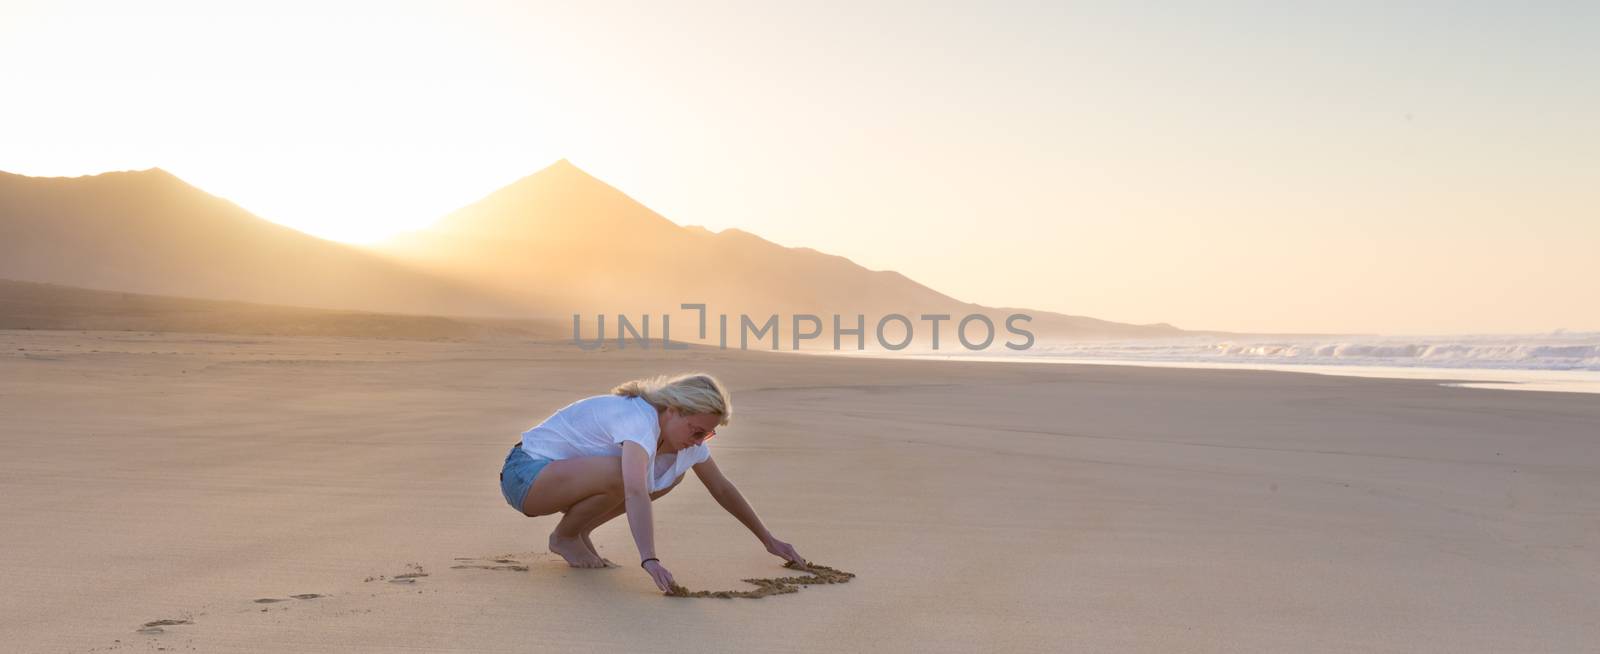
(636, 490)
(726, 494)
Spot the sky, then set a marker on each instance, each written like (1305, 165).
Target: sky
(1401, 168)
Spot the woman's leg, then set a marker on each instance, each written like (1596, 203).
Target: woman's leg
(582, 489)
(615, 511)
(565, 483)
(588, 490)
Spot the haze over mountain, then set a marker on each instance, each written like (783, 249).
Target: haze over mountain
(555, 243)
(150, 232)
(563, 235)
(31, 305)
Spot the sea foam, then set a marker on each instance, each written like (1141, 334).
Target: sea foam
(1554, 351)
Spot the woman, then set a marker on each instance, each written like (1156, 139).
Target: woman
(606, 455)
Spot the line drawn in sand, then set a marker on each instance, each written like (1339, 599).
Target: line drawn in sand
(819, 574)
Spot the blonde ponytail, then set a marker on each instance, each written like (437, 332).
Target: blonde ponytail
(689, 393)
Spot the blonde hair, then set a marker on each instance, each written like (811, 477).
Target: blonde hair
(689, 393)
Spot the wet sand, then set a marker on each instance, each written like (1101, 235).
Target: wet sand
(257, 493)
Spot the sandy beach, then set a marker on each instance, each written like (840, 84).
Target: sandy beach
(207, 480)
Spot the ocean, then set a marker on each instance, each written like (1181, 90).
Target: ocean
(1557, 361)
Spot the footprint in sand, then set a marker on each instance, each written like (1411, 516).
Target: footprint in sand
(156, 626)
(465, 563)
(302, 596)
(407, 578)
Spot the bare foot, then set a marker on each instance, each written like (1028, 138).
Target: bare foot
(575, 552)
(590, 544)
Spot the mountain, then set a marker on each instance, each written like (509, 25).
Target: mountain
(556, 243)
(566, 239)
(148, 231)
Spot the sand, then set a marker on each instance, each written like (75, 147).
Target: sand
(159, 487)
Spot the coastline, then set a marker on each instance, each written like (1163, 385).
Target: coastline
(1512, 379)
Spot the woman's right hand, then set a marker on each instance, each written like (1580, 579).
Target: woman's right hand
(659, 573)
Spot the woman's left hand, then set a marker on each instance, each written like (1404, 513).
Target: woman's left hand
(784, 550)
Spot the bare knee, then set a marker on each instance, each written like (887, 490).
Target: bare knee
(612, 492)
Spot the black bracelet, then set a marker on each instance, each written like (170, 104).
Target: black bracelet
(641, 563)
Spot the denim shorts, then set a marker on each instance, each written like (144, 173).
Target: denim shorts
(516, 477)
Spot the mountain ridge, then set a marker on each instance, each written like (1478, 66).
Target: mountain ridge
(558, 241)
(602, 268)
(149, 231)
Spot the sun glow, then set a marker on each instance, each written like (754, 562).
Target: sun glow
(341, 122)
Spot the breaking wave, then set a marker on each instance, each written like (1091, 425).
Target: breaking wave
(1556, 351)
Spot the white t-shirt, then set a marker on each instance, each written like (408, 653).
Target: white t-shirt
(598, 425)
